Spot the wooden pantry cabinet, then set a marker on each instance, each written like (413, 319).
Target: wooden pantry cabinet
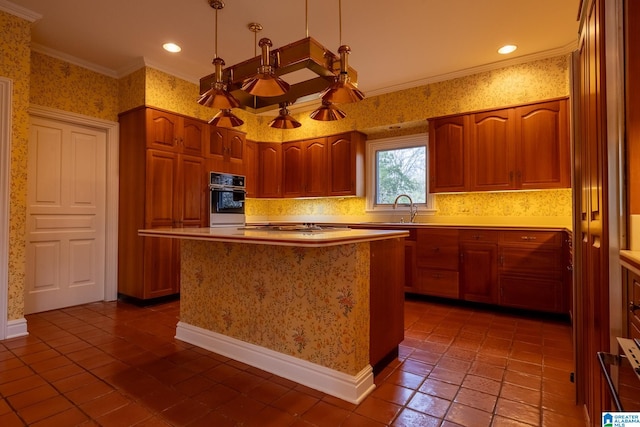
(517, 148)
(163, 183)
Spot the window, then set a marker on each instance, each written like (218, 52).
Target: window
(398, 166)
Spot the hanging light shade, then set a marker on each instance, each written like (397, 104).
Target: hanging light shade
(327, 112)
(342, 90)
(226, 119)
(265, 82)
(284, 120)
(218, 96)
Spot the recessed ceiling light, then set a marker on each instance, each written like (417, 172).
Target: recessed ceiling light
(508, 48)
(171, 47)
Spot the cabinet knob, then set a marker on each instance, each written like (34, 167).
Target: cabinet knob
(528, 238)
(633, 307)
(436, 249)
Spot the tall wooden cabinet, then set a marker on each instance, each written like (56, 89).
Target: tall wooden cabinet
(163, 183)
(591, 222)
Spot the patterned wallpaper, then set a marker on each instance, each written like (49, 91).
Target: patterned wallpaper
(64, 86)
(15, 40)
(309, 303)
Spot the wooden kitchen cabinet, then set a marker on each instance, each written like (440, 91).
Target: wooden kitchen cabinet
(172, 132)
(304, 168)
(448, 146)
(269, 169)
(531, 271)
(226, 150)
(346, 164)
(478, 266)
(437, 255)
(632, 303)
(250, 168)
(517, 148)
(164, 186)
(492, 153)
(542, 150)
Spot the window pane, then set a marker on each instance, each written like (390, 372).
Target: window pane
(401, 171)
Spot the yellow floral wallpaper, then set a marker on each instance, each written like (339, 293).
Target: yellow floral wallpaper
(15, 51)
(64, 86)
(309, 303)
(529, 207)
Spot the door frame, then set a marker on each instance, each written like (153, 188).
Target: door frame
(6, 87)
(111, 130)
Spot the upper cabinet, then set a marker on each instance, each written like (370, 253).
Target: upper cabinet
(325, 166)
(346, 164)
(172, 132)
(518, 148)
(226, 150)
(447, 154)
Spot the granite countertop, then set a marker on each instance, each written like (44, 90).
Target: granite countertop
(285, 237)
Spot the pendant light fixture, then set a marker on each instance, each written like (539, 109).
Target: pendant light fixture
(342, 90)
(284, 120)
(265, 82)
(225, 119)
(218, 96)
(328, 112)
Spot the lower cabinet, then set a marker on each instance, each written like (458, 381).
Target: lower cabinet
(478, 266)
(525, 269)
(632, 303)
(437, 256)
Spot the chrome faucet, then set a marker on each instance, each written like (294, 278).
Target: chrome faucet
(413, 210)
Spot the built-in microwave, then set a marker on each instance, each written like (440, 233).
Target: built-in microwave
(227, 199)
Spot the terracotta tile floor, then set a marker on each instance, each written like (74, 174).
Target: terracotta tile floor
(116, 364)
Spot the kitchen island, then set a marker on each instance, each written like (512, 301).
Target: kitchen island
(321, 308)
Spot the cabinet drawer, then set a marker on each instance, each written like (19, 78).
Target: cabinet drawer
(488, 236)
(534, 260)
(533, 237)
(442, 283)
(437, 249)
(532, 293)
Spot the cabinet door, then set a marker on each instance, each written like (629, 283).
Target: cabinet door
(270, 170)
(216, 148)
(162, 130)
(192, 192)
(543, 145)
(540, 294)
(479, 272)
(492, 152)
(447, 161)
(346, 165)
(293, 169)
(161, 267)
(235, 145)
(250, 168)
(437, 249)
(193, 136)
(315, 167)
(161, 204)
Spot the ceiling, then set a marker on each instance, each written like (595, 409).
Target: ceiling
(395, 45)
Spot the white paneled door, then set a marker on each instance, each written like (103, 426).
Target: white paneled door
(65, 215)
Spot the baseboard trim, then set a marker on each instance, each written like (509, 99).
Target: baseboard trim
(352, 388)
(17, 328)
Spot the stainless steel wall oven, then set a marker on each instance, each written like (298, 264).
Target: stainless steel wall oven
(227, 199)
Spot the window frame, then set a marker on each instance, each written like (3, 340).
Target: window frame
(410, 141)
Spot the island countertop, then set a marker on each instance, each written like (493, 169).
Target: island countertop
(312, 238)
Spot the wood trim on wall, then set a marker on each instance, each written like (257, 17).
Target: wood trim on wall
(5, 175)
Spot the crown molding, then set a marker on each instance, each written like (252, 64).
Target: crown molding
(19, 11)
(564, 50)
(72, 60)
